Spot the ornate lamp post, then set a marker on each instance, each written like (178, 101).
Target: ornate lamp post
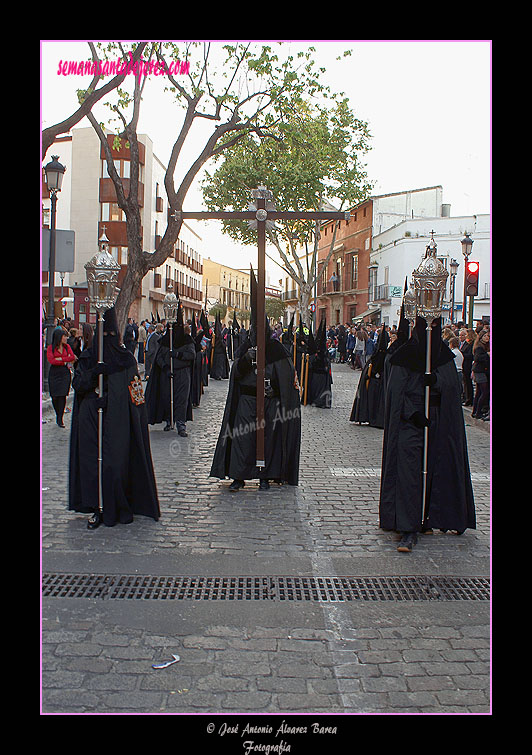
(171, 306)
(102, 276)
(54, 173)
(430, 281)
(467, 245)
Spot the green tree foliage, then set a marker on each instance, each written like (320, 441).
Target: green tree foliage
(310, 160)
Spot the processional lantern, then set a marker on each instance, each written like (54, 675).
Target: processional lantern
(102, 277)
(171, 306)
(410, 304)
(430, 280)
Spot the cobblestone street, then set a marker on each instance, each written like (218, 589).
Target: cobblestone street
(253, 655)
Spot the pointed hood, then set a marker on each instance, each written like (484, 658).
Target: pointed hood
(321, 337)
(288, 337)
(412, 354)
(235, 326)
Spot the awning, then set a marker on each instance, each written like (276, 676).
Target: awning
(366, 313)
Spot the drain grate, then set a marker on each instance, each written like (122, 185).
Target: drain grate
(322, 589)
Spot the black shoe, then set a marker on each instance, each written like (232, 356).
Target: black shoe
(183, 433)
(94, 521)
(236, 485)
(60, 424)
(168, 427)
(264, 485)
(408, 541)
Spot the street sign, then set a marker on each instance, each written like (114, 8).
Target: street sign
(65, 242)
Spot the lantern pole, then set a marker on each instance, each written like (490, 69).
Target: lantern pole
(430, 280)
(170, 305)
(102, 276)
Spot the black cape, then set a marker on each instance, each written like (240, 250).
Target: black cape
(158, 386)
(235, 454)
(368, 406)
(219, 360)
(450, 493)
(128, 478)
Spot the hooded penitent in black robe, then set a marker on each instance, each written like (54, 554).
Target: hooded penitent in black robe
(235, 454)
(301, 352)
(403, 334)
(219, 360)
(158, 386)
(450, 493)
(368, 406)
(128, 479)
(319, 392)
(196, 385)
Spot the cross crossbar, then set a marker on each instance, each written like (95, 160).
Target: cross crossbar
(260, 215)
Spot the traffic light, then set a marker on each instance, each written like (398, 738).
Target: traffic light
(472, 270)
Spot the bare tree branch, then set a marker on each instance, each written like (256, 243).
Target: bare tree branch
(49, 134)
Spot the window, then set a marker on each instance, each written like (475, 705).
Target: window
(122, 168)
(354, 271)
(111, 211)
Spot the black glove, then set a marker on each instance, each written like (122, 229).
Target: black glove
(101, 402)
(430, 380)
(100, 369)
(419, 420)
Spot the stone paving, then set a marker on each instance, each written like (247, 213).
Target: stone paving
(259, 656)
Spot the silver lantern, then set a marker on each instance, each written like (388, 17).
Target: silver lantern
(430, 281)
(171, 307)
(102, 276)
(410, 304)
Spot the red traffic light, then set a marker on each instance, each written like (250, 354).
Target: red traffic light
(472, 273)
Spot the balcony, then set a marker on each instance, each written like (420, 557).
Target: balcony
(381, 293)
(289, 295)
(108, 191)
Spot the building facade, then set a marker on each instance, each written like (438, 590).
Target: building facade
(87, 205)
(398, 251)
(227, 286)
(345, 287)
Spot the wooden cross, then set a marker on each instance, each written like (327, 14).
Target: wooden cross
(260, 215)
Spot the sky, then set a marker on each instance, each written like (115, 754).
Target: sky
(427, 105)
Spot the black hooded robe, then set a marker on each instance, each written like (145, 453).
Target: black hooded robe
(219, 360)
(319, 392)
(158, 386)
(235, 454)
(129, 486)
(450, 502)
(368, 406)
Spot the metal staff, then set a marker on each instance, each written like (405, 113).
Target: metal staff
(102, 276)
(430, 280)
(171, 305)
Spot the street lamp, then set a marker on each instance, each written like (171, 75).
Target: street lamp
(467, 245)
(454, 265)
(54, 173)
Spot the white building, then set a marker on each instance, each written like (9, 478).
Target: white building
(397, 252)
(87, 204)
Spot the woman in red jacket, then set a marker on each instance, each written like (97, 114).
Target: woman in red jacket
(59, 355)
